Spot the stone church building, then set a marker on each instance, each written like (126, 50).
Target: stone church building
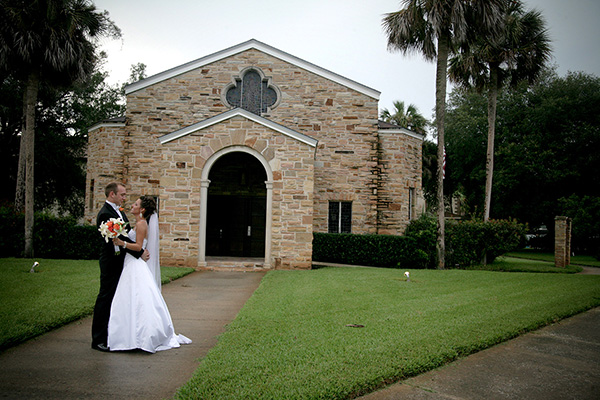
(251, 150)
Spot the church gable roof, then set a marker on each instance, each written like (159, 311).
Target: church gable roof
(252, 44)
(234, 113)
(386, 127)
(110, 123)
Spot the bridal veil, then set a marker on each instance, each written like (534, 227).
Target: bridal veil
(153, 248)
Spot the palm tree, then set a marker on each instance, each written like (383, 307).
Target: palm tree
(434, 28)
(408, 117)
(518, 52)
(49, 42)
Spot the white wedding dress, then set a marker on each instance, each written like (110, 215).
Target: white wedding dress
(139, 317)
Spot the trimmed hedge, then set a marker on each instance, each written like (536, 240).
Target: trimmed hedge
(373, 250)
(466, 244)
(53, 237)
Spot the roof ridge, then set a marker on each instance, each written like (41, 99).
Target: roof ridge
(247, 45)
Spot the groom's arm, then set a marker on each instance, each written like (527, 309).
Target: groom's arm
(106, 215)
(136, 254)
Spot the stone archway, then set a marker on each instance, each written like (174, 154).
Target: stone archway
(235, 224)
(237, 232)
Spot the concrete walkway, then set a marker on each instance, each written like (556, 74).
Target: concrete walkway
(557, 362)
(61, 364)
(560, 361)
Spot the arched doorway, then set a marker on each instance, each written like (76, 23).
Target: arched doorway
(236, 206)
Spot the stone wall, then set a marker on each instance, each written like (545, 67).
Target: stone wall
(291, 163)
(347, 165)
(400, 170)
(104, 165)
(344, 121)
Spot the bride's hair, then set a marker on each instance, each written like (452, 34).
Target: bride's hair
(149, 205)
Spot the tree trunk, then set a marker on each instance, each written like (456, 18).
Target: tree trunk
(20, 189)
(489, 163)
(440, 112)
(31, 90)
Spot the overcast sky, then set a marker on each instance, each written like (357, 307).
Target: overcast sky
(343, 36)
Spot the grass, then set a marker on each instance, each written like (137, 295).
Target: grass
(59, 292)
(515, 264)
(536, 255)
(291, 339)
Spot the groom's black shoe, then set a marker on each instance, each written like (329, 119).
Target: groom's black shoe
(100, 347)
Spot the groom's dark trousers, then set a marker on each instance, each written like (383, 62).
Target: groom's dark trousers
(111, 266)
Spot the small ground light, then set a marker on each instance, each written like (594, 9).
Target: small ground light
(35, 264)
(407, 275)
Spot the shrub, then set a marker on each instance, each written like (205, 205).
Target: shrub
(467, 241)
(54, 237)
(373, 250)
(12, 227)
(424, 231)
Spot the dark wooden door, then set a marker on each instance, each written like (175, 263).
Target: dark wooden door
(235, 226)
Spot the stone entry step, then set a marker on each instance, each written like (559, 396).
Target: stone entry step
(244, 264)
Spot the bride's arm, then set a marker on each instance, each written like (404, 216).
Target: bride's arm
(141, 228)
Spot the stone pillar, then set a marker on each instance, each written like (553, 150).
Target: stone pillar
(203, 201)
(562, 242)
(269, 224)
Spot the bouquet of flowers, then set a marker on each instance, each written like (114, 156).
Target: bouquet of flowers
(113, 228)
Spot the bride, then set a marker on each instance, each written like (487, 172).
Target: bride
(139, 317)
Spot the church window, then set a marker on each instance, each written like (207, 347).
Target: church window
(252, 92)
(411, 203)
(340, 217)
(91, 203)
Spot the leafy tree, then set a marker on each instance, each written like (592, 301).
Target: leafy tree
(548, 136)
(466, 129)
(434, 28)
(553, 136)
(11, 116)
(90, 101)
(585, 213)
(137, 73)
(407, 117)
(48, 41)
(519, 51)
(429, 157)
(62, 120)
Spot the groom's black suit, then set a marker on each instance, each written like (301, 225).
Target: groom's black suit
(111, 266)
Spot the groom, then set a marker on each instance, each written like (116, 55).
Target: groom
(111, 264)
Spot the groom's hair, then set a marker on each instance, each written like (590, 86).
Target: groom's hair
(112, 187)
(149, 204)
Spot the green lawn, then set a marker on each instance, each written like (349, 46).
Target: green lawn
(537, 255)
(292, 340)
(59, 292)
(516, 264)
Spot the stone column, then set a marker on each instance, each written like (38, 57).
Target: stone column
(562, 242)
(268, 224)
(203, 201)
